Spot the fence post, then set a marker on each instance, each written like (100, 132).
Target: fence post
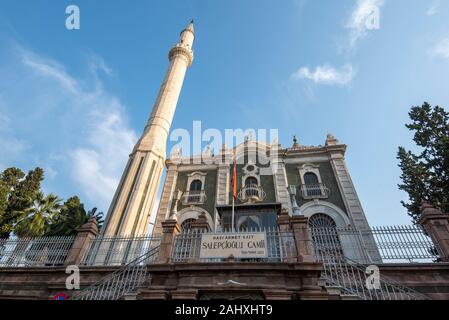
(170, 229)
(283, 222)
(436, 224)
(303, 240)
(84, 236)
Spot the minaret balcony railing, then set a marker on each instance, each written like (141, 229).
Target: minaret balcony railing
(251, 193)
(314, 191)
(194, 197)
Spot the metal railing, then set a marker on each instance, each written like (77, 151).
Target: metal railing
(34, 252)
(251, 193)
(405, 243)
(113, 251)
(397, 244)
(351, 278)
(314, 191)
(123, 281)
(194, 197)
(280, 247)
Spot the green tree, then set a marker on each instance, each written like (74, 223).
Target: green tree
(71, 217)
(16, 194)
(425, 176)
(39, 216)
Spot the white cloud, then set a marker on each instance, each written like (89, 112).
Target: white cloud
(434, 8)
(49, 69)
(441, 49)
(74, 126)
(364, 18)
(326, 75)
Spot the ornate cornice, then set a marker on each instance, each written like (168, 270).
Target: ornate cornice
(181, 50)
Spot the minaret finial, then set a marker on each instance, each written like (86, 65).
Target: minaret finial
(190, 27)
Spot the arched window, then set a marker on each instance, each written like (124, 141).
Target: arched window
(251, 189)
(321, 220)
(251, 181)
(187, 224)
(325, 238)
(195, 191)
(312, 184)
(310, 178)
(196, 185)
(249, 224)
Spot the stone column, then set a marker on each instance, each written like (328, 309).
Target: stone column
(170, 229)
(85, 235)
(288, 242)
(303, 241)
(284, 220)
(436, 224)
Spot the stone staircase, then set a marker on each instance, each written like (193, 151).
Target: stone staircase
(122, 282)
(348, 279)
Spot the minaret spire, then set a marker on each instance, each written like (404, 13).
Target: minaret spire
(133, 201)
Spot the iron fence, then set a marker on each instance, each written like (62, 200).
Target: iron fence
(115, 251)
(405, 243)
(360, 281)
(280, 246)
(34, 252)
(395, 244)
(123, 281)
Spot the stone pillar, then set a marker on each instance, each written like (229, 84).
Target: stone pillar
(283, 222)
(436, 224)
(170, 229)
(303, 241)
(85, 235)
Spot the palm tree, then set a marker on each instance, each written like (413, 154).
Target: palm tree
(34, 223)
(39, 216)
(71, 217)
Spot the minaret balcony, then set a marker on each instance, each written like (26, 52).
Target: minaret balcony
(251, 193)
(314, 191)
(194, 197)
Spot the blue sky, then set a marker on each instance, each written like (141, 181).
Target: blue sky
(74, 102)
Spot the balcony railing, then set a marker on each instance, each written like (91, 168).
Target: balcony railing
(194, 197)
(314, 191)
(251, 193)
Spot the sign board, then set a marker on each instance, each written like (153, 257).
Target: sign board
(240, 245)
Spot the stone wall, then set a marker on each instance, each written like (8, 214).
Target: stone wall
(272, 280)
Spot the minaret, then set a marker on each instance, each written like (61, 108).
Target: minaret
(134, 199)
